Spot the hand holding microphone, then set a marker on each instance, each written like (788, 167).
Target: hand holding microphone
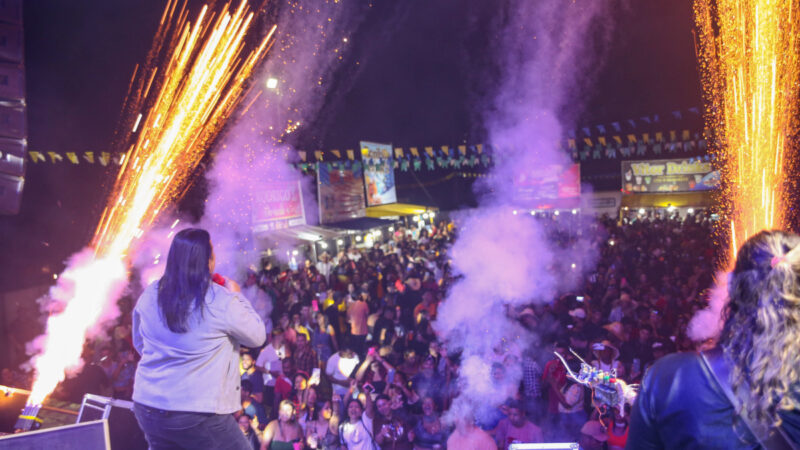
(227, 282)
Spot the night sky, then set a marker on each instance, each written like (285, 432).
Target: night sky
(424, 72)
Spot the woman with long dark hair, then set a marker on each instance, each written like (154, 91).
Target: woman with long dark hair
(188, 331)
(745, 393)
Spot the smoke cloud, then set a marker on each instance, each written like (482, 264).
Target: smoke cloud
(253, 160)
(546, 52)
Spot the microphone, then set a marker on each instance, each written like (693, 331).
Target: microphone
(219, 279)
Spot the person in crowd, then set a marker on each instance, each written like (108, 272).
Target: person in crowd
(321, 430)
(305, 358)
(618, 428)
(323, 339)
(571, 412)
(607, 358)
(428, 433)
(250, 372)
(532, 386)
(428, 382)
(743, 392)
(188, 330)
(356, 432)
(250, 434)
(325, 266)
(251, 406)
(284, 432)
(516, 428)
(390, 431)
(467, 435)
(593, 436)
(357, 313)
(339, 369)
(123, 375)
(375, 371)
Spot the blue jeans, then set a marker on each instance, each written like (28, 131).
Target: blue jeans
(189, 430)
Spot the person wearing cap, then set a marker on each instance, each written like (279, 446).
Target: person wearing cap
(607, 357)
(593, 436)
(578, 316)
(325, 266)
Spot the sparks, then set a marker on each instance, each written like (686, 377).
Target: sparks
(749, 60)
(186, 102)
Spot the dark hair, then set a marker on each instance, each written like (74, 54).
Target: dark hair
(186, 278)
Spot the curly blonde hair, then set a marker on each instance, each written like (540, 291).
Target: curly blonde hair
(761, 334)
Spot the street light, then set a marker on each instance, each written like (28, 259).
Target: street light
(272, 83)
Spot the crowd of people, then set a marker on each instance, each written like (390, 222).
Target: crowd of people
(352, 358)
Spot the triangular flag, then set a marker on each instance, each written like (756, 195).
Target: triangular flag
(646, 137)
(55, 157)
(89, 157)
(587, 141)
(104, 156)
(659, 136)
(351, 155)
(632, 138)
(446, 150)
(73, 158)
(37, 156)
(398, 152)
(479, 147)
(686, 135)
(571, 143)
(602, 140)
(303, 155)
(414, 151)
(429, 151)
(318, 154)
(618, 139)
(337, 153)
(462, 149)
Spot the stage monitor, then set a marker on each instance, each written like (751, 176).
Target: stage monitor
(80, 436)
(546, 446)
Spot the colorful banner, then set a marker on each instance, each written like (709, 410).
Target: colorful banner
(341, 192)
(378, 173)
(668, 175)
(537, 185)
(279, 206)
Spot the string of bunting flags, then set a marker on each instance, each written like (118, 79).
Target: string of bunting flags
(478, 156)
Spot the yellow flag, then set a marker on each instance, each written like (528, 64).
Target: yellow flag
(73, 158)
(55, 157)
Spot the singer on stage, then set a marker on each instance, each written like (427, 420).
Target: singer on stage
(188, 330)
(745, 393)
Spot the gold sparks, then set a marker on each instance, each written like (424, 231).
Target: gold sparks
(181, 113)
(749, 61)
(175, 111)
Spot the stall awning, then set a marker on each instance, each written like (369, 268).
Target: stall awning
(302, 233)
(398, 209)
(700, 199)
(360, 224)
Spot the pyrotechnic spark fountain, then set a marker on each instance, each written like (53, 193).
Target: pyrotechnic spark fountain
(177, 109)
(749, 53)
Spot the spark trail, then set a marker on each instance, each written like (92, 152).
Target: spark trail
(177, 104)
(748, 55)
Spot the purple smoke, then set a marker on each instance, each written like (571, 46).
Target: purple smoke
(506, 260)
